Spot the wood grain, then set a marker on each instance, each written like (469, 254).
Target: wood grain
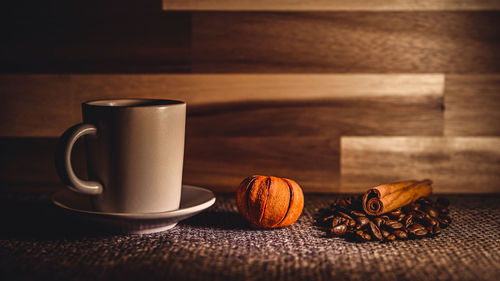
(36, 106)
(223, 162)
(412, 116)
(328, 5)
(109, 36)
(30, 161)
(455, 164)
(472, 105)
(354, 42)
(236, 104)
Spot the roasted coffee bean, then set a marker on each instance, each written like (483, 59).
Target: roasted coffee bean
(358, 214)
(429, 221)
(375, 231)
(401, 217)
(443, 202)
(348, 201)
(397, 225)
(339, 230)
(391, 237)
(363, 236)
(400, 234)
(418, 214)
(436, 229)
(415, 226)
(367, 237)
(394, 224)
(352, 223)
(362, 221)
(395, 213)
(420, 232)
(408, 220)
(388, 222)
(379, 221)
(385, 233)
(431, 211)
(345, 215)
(336, 221)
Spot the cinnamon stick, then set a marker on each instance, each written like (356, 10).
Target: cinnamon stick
(388, 197)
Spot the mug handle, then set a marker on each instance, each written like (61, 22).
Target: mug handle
(63, 160)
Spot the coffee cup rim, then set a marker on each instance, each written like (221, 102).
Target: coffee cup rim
(133, 103)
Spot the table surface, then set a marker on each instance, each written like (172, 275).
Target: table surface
(38, 241)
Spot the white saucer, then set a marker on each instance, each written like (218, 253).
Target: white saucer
(194, 200)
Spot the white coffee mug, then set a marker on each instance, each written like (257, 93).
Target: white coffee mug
(134, 150)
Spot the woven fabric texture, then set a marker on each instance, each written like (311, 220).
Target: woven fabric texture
(38, 243)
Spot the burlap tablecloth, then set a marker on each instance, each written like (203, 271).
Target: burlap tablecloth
(38, 243)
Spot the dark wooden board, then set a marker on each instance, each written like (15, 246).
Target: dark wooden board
(393, 115)
(472, 105)
(30, 161)
(455, 164)
(110, 36)
(222, 163)
(366, 42)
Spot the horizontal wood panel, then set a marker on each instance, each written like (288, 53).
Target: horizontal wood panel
(29, 161)
(320, 104)
(32, 106)
(252, 42)
(328, 5)
(418, 115)
(223, 163)
(455, 164)
(108, 36)
(219, 163)
(472, 105)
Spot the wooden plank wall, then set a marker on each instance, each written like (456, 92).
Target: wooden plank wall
(339, 97)
(468, 164)
(346, 42)
(328, 5)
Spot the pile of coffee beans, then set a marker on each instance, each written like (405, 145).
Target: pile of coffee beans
(346, 218)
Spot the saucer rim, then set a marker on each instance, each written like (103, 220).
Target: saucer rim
(157, 215)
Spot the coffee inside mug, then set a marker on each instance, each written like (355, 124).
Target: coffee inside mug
(133, 102)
